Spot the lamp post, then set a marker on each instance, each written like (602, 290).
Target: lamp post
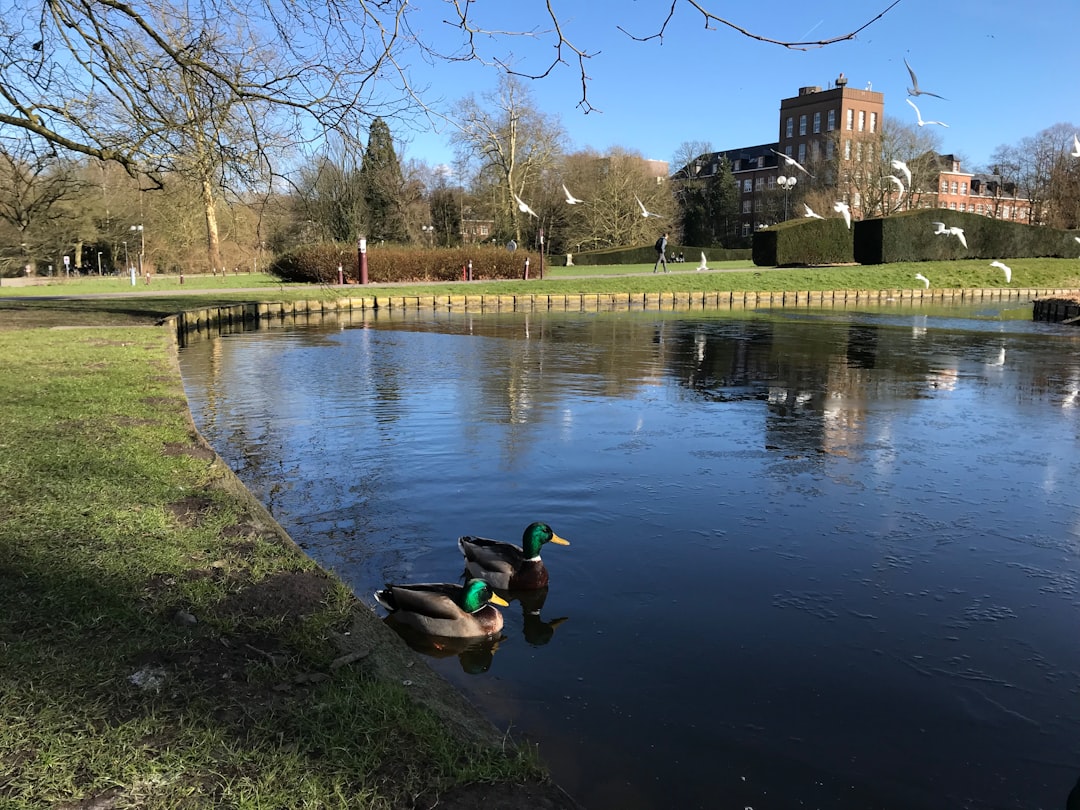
(138, 229)
(429, 234)
(99, 262)
(787, 184)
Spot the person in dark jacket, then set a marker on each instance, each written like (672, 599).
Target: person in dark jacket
(661, 253)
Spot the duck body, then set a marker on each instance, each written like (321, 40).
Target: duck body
(508, 567)
(444, 608)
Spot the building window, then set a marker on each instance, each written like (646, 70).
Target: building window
(761, 162)
(952, 206)
(954, 189)
(858, 151)
(758, 183)
(789, 126)
(802, 124)
(847, 148)
(963, 189)
(944, 186)
(978, 208)
(747, 186)
(831, 121)
(873, 122)
(817, 122)
(772, 181)
(746, 206)
(829, 148)
(857, 199)
(802, 153)
(1006, 212)
(787, 150)
(850, 120)
(862, 120)
(746, 229)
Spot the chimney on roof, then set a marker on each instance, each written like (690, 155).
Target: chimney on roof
(807, 91)
(841, 80)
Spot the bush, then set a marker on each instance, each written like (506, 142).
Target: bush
(389, 264)
(646, 254)
(804, 242)
(910, 237)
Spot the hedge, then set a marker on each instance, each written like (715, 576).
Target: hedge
(803, 242)
(911, 237)
(646, 254)
(389, 264)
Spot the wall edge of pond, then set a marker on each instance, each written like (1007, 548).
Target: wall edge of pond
(251, 314)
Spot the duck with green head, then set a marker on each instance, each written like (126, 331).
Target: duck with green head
(508, 567)
(445, 608)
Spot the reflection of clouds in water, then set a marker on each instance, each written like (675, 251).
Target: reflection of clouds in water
(918, 328)
(943, 378)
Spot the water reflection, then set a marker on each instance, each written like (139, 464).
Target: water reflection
(535, 630)
(474, 654)
(826, 558)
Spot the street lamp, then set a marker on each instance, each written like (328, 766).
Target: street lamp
(429, 233)
(99, 262)
(787, 184)
(142, 244)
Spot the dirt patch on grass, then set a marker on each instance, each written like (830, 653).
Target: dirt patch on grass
(190, 511)
(290, 595)
(197, 451)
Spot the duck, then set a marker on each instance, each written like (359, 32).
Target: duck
(507, 567)
(445, 608)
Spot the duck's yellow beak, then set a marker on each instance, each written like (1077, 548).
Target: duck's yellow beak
(498, 600)
(558, 540)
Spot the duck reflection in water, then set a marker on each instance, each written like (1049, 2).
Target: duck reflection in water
(474, 654)
(537, 632)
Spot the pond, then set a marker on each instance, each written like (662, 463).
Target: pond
(819, 557)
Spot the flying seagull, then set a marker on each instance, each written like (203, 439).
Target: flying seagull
(923, 279)
(1076, 146)
(842, 208)
(704, 264)
(959, 234)
(919, 116)
(810, 212)
(570, 198)
(524, 208)
(940, 228)
(902, 167)
(645, 212)
(899, 183)
(914, 89)
(790, 161)
(1004, 269)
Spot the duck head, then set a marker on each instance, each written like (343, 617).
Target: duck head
(535, 535)
(478, 593)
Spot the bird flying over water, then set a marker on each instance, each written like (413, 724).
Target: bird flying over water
(914, 90)
(1004, 269)
(645, 212)
(842, 208)
(811, 213)
(918, 115)
(523, 207)
(923, 279)
(790, 161)
(704, 264)
(570, 198)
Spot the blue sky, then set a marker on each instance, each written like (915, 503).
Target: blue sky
(1008, 69)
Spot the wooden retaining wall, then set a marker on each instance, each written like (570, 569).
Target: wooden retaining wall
(1057, 309)
(237, 316)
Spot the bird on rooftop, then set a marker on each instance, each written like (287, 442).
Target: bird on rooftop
(842, 208)
(914, 90)
(570, 198)
(523, 207)
(790, 161)
(811, 213)
(1004, 269)
(918, 115)
(645, 212)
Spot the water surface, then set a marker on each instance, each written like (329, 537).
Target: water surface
(820, 558)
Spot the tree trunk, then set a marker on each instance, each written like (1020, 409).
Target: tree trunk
(213, 244)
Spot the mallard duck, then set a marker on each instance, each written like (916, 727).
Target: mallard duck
(508, 567)
(444, 608)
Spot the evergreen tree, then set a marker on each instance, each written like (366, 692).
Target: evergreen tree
(383, 187)
(709, 207)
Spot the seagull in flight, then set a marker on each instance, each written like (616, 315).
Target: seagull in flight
(1004, 269)
(842, 208)
(645, 212)
(923, 279)
(790, 161)
(919, 116)
(810, 212)
(902, 167)
(524, 207)
(1076, 146)
(899, 183)
(704, 264)
(914, 89)
(570, 198)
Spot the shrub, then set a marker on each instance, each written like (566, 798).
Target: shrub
(389, 264)
(910, 237)
(804, 242)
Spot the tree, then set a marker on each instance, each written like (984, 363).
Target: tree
(383, 187)
(1043, 172)
(706, 196)
(506, 139)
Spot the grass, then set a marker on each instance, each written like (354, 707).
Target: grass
(117, 527)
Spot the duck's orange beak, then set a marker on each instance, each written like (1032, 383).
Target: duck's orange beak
(558, 540)
(498, 600)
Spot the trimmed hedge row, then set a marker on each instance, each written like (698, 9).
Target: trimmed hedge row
(646, 254)
(911, 237)
(388, 264)
(803, 242)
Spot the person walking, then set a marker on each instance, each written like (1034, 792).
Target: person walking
(661, 253)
